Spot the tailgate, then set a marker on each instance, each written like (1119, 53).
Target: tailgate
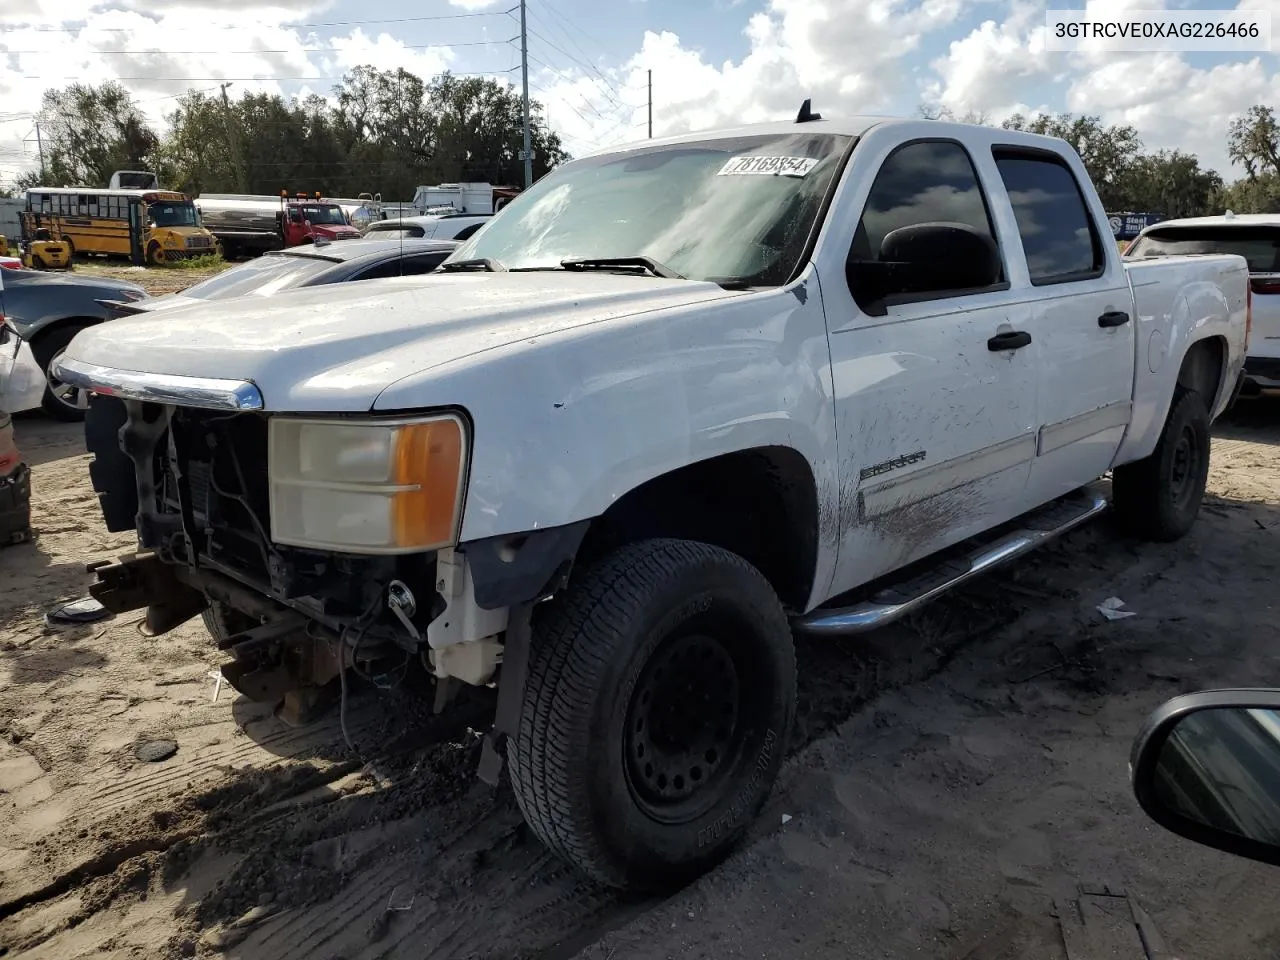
(1264, 341)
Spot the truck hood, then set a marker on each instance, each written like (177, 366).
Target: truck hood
(335, 231)
(336, 347)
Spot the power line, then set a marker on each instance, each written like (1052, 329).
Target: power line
(609, 91)
(547, 93)
(258, 79)
(563, 19)
(329, 49)
(585, 102)
(283, 26)
(18, 117)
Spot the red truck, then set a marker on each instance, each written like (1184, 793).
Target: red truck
(246, 224)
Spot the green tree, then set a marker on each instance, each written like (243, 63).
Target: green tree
(934, 111)
(479, 131)
(1108, 152)
(91, 131)
(406, 133)
(1257, 194)
(1171, 183)
(274, 143)
(1253, 141)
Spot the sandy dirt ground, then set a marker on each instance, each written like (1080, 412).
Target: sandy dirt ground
(957, 788)
(155, 280)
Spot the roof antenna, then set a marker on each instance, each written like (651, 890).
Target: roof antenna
(806, 112)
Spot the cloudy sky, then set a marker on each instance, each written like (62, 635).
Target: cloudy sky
(713, 61)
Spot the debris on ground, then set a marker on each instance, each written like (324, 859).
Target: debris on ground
(1113, 609)
(85, 610)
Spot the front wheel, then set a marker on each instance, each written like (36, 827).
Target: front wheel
(156, 255)
(1158, 498)
(62, 401)
(657, 712)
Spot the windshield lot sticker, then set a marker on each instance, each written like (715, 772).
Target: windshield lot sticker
(767, 166)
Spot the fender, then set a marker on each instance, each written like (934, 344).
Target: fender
(566, 424)
(1170, 318)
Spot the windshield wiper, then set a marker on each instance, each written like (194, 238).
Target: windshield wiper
(479, 263)
(606, 263)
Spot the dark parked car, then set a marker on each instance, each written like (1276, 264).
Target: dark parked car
(42, 313)
(309, 266)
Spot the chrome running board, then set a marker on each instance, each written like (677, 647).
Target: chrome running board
(896, 600)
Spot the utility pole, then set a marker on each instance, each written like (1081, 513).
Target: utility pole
(233, 137)
(40, 148)
(650, 104)
(527, 154)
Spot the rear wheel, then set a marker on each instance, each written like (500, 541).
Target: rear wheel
(1159, 498)
(657, 711)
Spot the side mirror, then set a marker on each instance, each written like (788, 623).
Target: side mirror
(1207, 767)
(925, 258)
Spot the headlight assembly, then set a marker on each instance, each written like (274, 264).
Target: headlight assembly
(378, 486)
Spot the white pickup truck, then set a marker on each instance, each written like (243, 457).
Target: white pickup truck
(674, 402)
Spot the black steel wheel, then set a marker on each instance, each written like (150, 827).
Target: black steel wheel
(657, 711)
(1159, 498)
(683, 726)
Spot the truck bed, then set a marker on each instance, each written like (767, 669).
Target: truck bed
(1174, 297)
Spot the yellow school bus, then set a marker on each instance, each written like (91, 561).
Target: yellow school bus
(147, 226)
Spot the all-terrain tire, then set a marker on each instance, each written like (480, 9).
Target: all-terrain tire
(224, 622)
(1158, 498)
(691, 640)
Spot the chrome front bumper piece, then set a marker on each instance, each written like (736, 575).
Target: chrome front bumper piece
(202, 392)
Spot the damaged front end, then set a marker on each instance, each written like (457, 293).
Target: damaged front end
(213, 493)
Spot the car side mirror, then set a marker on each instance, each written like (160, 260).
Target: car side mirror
(924, 258)
(1207, 766)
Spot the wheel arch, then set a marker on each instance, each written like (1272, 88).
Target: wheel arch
(1203, 369)
(760, 503)
(41, 340)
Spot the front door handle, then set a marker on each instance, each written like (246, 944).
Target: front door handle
(1009, 340)
(1113, 318)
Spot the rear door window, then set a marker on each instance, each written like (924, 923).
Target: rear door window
(1059, 237)
(1260, 246)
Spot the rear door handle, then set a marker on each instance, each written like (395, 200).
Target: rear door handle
(1010, 340)
(1113, 318)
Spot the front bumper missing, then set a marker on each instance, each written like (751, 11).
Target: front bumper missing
(169, 592)
(274, 660)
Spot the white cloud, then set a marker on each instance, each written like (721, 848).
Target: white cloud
(1171, 103)
(191, 44)
(850, 56)
(387, 53)
(845, 54)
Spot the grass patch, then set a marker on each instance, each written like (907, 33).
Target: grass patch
(205, 263)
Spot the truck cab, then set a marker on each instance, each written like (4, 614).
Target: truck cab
(308, 219)
(682, 399)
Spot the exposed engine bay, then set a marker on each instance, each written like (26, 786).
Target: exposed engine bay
(194, 483)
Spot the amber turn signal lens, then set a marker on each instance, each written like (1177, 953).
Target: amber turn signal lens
(429, 460)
